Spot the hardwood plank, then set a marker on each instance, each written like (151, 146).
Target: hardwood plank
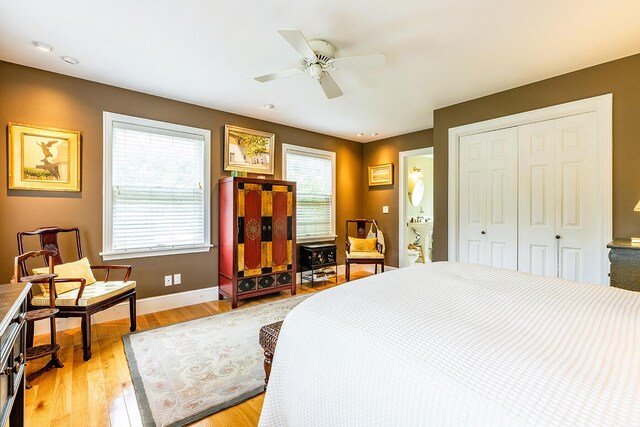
(100, 391)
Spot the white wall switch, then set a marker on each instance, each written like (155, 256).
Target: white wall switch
(167, 280)
(177, 279)
(385, 209)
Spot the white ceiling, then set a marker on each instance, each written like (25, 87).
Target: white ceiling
(439, 52)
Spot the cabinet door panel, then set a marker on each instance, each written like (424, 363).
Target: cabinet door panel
(252, 229)
(279, 229)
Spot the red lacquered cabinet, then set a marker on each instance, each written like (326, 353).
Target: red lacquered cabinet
(257, 233)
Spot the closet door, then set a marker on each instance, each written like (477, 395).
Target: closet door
(578, 249)
(558, 230)
(536, 212)
(488, 199)
(473, 199)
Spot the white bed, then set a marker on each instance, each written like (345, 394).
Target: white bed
(456, 344)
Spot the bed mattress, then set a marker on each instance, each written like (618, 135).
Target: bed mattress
(458, 344)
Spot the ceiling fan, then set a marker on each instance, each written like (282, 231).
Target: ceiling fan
(318, 58)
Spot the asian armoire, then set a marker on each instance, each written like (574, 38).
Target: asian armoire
(257, 245)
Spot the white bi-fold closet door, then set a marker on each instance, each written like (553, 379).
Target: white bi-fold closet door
(489, 198)
(528, 198)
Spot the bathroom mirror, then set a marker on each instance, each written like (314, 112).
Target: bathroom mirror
(416, 193)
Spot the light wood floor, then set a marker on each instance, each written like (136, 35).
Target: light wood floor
(100, 392)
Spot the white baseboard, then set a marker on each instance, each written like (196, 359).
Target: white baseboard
(143, 306)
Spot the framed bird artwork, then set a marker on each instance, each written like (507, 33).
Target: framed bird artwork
(43, 158)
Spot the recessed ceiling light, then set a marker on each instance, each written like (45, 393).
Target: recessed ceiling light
(374, 134)
(269, 106)
(70, 60)
(359, 134)
(43, 46)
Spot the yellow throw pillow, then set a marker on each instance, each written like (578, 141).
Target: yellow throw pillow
(362, 245)
(77, 269)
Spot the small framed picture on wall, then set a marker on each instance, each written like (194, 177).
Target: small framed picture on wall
(381, 174)
(43, 158)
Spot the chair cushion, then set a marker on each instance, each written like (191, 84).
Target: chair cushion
(77, 269)
(365, 255)
(362, 245)
(99, 291)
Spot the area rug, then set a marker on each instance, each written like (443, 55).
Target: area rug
(187, 371)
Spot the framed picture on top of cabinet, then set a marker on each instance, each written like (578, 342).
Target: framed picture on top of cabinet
(381, 174)
(248, 150)
(43, 158)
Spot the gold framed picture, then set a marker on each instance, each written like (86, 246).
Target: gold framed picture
(248, 150)
(44, 159)
(381, 174)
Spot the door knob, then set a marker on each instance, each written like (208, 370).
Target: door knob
(483, 232)
(558, 236)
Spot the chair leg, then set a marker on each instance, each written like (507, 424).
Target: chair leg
(30, 332)
(375, 268)
(86, 337)
(382, 268)
(347, 272)
(132, 312)
(268, 360)
(55, 362)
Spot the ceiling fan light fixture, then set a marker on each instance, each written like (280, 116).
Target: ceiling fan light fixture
(45, 47)
(360, 134)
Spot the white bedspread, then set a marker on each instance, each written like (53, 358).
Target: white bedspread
(456, 344)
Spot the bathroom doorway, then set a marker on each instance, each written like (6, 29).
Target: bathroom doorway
(415, 219)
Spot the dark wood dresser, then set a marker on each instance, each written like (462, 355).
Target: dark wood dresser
(257, 237)
(625, 264)
(13, 314)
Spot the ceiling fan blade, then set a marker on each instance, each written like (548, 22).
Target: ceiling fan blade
(299, 43)
(329, 86)
(280, 74)
(364, 61)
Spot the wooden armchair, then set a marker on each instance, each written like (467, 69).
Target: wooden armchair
(80, 299)
(40, 314)
(359, 251)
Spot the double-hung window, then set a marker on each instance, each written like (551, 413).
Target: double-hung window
(156, 188)
(314, 172)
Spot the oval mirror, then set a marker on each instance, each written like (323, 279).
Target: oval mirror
(416, 195)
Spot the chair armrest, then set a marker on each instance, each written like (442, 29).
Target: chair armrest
(113, 267)
(38, 278)
(83, 283)
(379, 247)
(348, 245)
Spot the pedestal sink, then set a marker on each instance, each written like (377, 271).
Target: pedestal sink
(424, 229)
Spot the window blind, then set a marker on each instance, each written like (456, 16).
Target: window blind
(313, 175)
(157, 189)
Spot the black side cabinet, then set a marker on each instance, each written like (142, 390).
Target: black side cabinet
(318, 263)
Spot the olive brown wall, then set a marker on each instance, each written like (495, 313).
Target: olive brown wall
(387, 151)
(38, 97)
(618, 77)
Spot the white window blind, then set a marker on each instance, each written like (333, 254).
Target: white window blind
(157, 199)
(314, 174)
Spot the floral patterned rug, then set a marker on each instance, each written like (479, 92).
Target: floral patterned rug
(187, 371)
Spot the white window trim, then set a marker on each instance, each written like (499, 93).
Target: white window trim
(107, 205)
(319, 153)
